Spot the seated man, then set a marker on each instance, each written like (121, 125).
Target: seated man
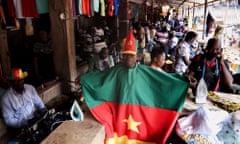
(212, 68)
(20, 102)
(102, 61)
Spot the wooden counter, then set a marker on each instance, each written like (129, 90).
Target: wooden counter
(72, 132)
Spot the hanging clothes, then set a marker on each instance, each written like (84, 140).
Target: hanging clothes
(102, 4)
(110, 7)
(74, 9)
(91, 7)
(42, 6)
(11, 8)
(116, 7)
(18, 8)
(79, 7)
(95, 4)
(86, 7)
(29, 8)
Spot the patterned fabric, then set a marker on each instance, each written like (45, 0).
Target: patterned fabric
(202, 126)
(229, 106)
(195, 139)
(228, 135)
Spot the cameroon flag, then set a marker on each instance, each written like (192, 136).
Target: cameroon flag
(137, 106)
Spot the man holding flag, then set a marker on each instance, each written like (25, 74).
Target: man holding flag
(135, 103)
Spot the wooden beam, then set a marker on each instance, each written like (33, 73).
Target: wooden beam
(208, 3)
(205, 16)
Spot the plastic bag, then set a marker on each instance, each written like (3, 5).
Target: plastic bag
(202, 92)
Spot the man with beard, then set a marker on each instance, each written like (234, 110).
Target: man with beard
(20, 102)
(212, 68)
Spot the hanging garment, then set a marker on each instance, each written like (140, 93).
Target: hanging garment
(74, 9)
(86, 7)
(95, 4)
(42, 6)
(79, 7)
(29, 8)
(102, 4)
(11, 8)
(116, 7)
(18, 8)
(110, 7)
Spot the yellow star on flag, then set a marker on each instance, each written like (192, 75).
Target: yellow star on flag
(132, 124)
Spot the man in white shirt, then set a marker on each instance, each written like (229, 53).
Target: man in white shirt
(183, 52)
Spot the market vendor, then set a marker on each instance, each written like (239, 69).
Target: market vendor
(211, 66)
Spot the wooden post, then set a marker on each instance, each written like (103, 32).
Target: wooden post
(194, 9)
(123, 19)
(5, 65)
(62, 31)
(204, 21)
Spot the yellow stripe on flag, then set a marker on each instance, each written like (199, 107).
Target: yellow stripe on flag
(124, 140)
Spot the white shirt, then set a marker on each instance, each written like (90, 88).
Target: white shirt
(17, 109)
(183, 50)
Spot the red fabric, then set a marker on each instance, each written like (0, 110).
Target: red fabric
(110, 8)
(155, 124)
(29, 8)
(86, 7)
(11, 8)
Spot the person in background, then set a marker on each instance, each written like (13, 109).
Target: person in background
(157, 58)
(212, 67)
(20, 102)
(172, 43)
(43, 58)
(101, 61)
(141, 43)
(183, 52)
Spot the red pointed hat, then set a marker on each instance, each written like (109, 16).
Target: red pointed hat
(129, 46)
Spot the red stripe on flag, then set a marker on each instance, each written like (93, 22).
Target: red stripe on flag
(150, 124)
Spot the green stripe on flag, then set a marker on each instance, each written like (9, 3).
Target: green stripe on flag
(141, 85)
